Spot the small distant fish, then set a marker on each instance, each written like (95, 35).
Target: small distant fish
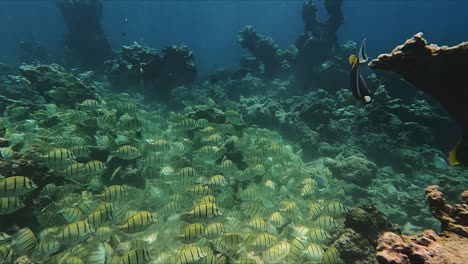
(440, 163)
(358, 83)
(126, 152)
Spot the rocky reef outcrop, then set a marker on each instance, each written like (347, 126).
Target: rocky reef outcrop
(85, 39)
(56, 85)
(317, 47)
(357, 242)
(138, 67)
(438, 71)
(428, 247)
(266, 53)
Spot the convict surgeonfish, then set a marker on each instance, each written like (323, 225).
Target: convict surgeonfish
(358, 83)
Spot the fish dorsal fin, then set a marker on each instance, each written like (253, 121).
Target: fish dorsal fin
(362, 56)
(453, 155)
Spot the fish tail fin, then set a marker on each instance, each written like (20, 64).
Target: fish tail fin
(453, 161)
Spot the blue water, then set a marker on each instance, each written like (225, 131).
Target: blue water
(210, 27)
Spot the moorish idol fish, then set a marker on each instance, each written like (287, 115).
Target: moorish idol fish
(358, 83)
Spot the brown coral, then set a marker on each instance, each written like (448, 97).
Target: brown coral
(428, 247)
(454, 218)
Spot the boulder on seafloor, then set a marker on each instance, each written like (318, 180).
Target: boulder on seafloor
(56, 85)
(428, 247)
(357, 242)
(354, 169)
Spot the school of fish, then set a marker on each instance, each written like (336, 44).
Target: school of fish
(211, 192)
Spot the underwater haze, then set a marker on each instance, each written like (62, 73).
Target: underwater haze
(193, 132)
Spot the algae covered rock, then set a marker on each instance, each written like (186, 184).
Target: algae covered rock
(56, 85)
(355, 169)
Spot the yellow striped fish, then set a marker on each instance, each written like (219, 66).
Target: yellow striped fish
(6, 253)
(136, 256)
(257, 224)
(103, 233)
(94, 167)
(203, 211)
(331, 256)
(71, 214)
(10, 205)
(277, 252)
(59, 157)
(217, 182)
(16, 186)
(298, 245)
(318, 235)
(127, 152)
(134, 124)
(75, 232)
(334, 209)
(263, 241)
(99, 217)
(326, 223)
(47, 247)
(113, 193)
(191, 255)
(214, 230)
(138, 222)
(192, 233)
(314, 253)
(23, 241)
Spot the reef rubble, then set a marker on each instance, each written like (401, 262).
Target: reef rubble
(428, 247)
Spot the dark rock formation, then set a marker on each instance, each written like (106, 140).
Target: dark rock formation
(56, 85)
(438, 71)
(266, 52)
(138, 67)
(318, 44)
(428, 247)
(86, 42)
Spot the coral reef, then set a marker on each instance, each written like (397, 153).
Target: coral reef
(56, 85)
(137, 67)
(86, 42)
(274, 61)
(428, 247)
(438, 71)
